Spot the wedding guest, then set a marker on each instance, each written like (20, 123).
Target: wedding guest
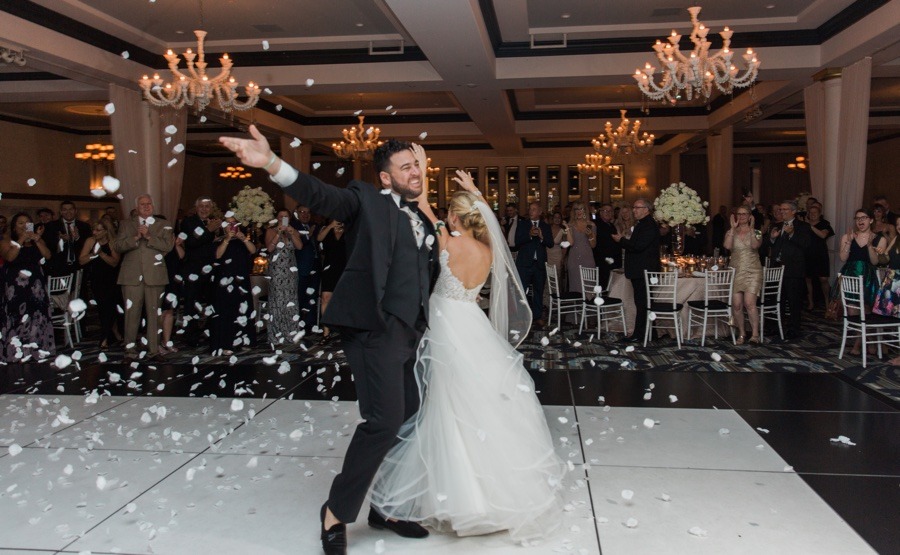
(582, 237)
(171, 296)
(556, 253)
(533, 238)
(641, 253)
(881, 224)
(334, 260)
(789, 242)
(719, 224)
(112, 213)
(232, 326)
(101, 263)
(606, 248)
(625, 221)
(283, 311)
(308, 274)
(25, 326)
(858, 252)
(200, 231)
(818, 266)
(3, 226)
(756, 210)
(887, 299)
(65, 237)
(510, 224)
(888, 214)
(44, 217)
(743, 242)
(143, 241)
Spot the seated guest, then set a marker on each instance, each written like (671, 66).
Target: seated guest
(334, 259)
(171, 296)
(284, 313)
(887, 299)
(101, 264)
(25, 326)
(232, 324)
(858, 252)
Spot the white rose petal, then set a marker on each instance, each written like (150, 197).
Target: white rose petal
(62, 361)
(178, 149)
(631, 523)
(649, 423)
(110, 108)
(565, 244)
(31, 182)
(627, 494)
(716, 357)
(14, 449)
(422, 135)
(111, 184)
(171, 130)
(317, 165)
(126, 54)
(295, 143)
(310, 82)
(237, 404)
(358, 112)
(265, 45)
(697, 531)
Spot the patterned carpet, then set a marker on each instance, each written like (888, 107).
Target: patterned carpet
(816, 351)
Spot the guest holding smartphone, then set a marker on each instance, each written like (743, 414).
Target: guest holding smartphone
(334, 259)
(282, 240)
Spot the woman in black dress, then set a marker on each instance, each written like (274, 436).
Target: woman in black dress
(233, 323)
(334, 259)
(171, 295)
(101, 264)
(817, 264)
(25, 325)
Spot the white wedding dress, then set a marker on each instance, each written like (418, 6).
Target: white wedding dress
(478, 457)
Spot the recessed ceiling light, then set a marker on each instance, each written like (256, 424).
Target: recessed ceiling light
(566, 15)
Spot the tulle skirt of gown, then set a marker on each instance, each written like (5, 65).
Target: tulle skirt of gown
(478, 458)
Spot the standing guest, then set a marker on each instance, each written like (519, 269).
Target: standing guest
(888, 214)
(143, 241)
(171, 295)
(26, 331)
(881, 224)
(3, 226)
(308, 275)
(719, 223)
(858, 252)
(582, 237)
(44, 217)
(818, 267)
(641, 253)
(789, 241)
(334, 260)
(556, 253)
(756, 210)
(606, 249)
(65, 237)
(743, 242)
(887, 300)
(284, 313)
(101, 262)
(533, 238)
(625, 221)
(112, 212)
(232, 326)
(510, 224)
(200, 231)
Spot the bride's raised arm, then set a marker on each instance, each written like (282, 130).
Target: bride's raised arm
(440, 229)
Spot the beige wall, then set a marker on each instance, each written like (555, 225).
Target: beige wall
(883, 172)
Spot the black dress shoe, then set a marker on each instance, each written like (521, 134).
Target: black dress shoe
(402, 528)
(334, 540)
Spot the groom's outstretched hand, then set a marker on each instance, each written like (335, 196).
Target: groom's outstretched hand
(253, 152)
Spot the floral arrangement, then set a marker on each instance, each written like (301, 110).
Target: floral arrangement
(801, 200)
(252, 207)
(678, 204)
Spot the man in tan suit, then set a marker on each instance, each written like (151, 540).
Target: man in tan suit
(143, 241)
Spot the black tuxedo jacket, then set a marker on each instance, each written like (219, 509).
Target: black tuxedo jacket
(372, 221)
(790, 251)
(200, 248)
(642, 249)
(528, 246)
(59, 257)
(606, 247)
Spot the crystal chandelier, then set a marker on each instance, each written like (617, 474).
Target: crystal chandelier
(624, 140)
(695, 75)
(359, 143)
(195, 88)
(595, 164)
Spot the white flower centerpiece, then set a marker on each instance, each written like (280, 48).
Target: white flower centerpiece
(252, 207)
(677, 206)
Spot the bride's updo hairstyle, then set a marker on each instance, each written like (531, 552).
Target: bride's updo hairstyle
(462, 203)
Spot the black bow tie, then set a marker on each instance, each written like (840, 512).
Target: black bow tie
(411, 204)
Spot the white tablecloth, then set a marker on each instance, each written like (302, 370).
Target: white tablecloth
(689, 289)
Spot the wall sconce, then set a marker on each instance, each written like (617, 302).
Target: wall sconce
(640, 184)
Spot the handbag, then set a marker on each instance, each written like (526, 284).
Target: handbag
(833, 310)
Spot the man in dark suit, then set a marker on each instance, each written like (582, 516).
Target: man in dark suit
(380, 303)
(641, 253)
(510, 225)
(65, 237)
(200, 231)
(307, 267)
(606, 248)
(533, 238)
(789, 241)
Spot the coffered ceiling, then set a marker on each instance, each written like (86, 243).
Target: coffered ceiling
(508, 75)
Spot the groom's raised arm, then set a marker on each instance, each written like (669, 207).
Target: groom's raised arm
(322, 198)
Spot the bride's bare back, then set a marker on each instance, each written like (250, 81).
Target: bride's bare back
(470, 260)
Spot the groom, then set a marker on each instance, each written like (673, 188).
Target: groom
(380, 303)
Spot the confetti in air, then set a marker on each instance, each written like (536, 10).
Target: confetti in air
(265, 45)
(109, 109)
(296, 142)
(111, 184)
(310, 82)
(422, 135)
(31, 182)
(171, 130)
(126, 54)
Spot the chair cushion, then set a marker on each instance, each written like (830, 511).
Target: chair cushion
(611, 301)
(660, 307)
(875, 320)
(713, 305)
(568, 296)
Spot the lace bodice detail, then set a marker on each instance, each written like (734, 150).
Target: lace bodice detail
(450, 287)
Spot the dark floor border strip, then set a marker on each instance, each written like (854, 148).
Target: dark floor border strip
(884, 398)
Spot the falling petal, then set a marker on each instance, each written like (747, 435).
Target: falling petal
(631, 523)
(422, 135)
(14, 449)
(649, 423)
(310, 82)
(126, 54)
(265, 45)
(295, 143)
(358, 112)
(31, 182)
(697, 531)
(111, 184)
(279, 107)
(110, 108)
(627, 494)
(171, 130)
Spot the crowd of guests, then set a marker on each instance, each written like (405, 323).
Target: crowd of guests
(188, 282)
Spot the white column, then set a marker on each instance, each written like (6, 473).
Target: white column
(832, 107)
(856, 85)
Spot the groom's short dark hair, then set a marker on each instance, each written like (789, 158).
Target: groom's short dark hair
(382, 157)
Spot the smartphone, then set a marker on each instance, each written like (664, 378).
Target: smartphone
(29, 227)
(284, 221)
(234, 228)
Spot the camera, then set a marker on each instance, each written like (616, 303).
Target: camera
(29, 227)
(284, 221)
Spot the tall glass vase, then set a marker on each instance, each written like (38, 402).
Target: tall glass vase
(678, 239)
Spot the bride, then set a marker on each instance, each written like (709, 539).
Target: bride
(478, 457)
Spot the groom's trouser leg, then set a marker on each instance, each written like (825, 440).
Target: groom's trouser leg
(378, 361)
